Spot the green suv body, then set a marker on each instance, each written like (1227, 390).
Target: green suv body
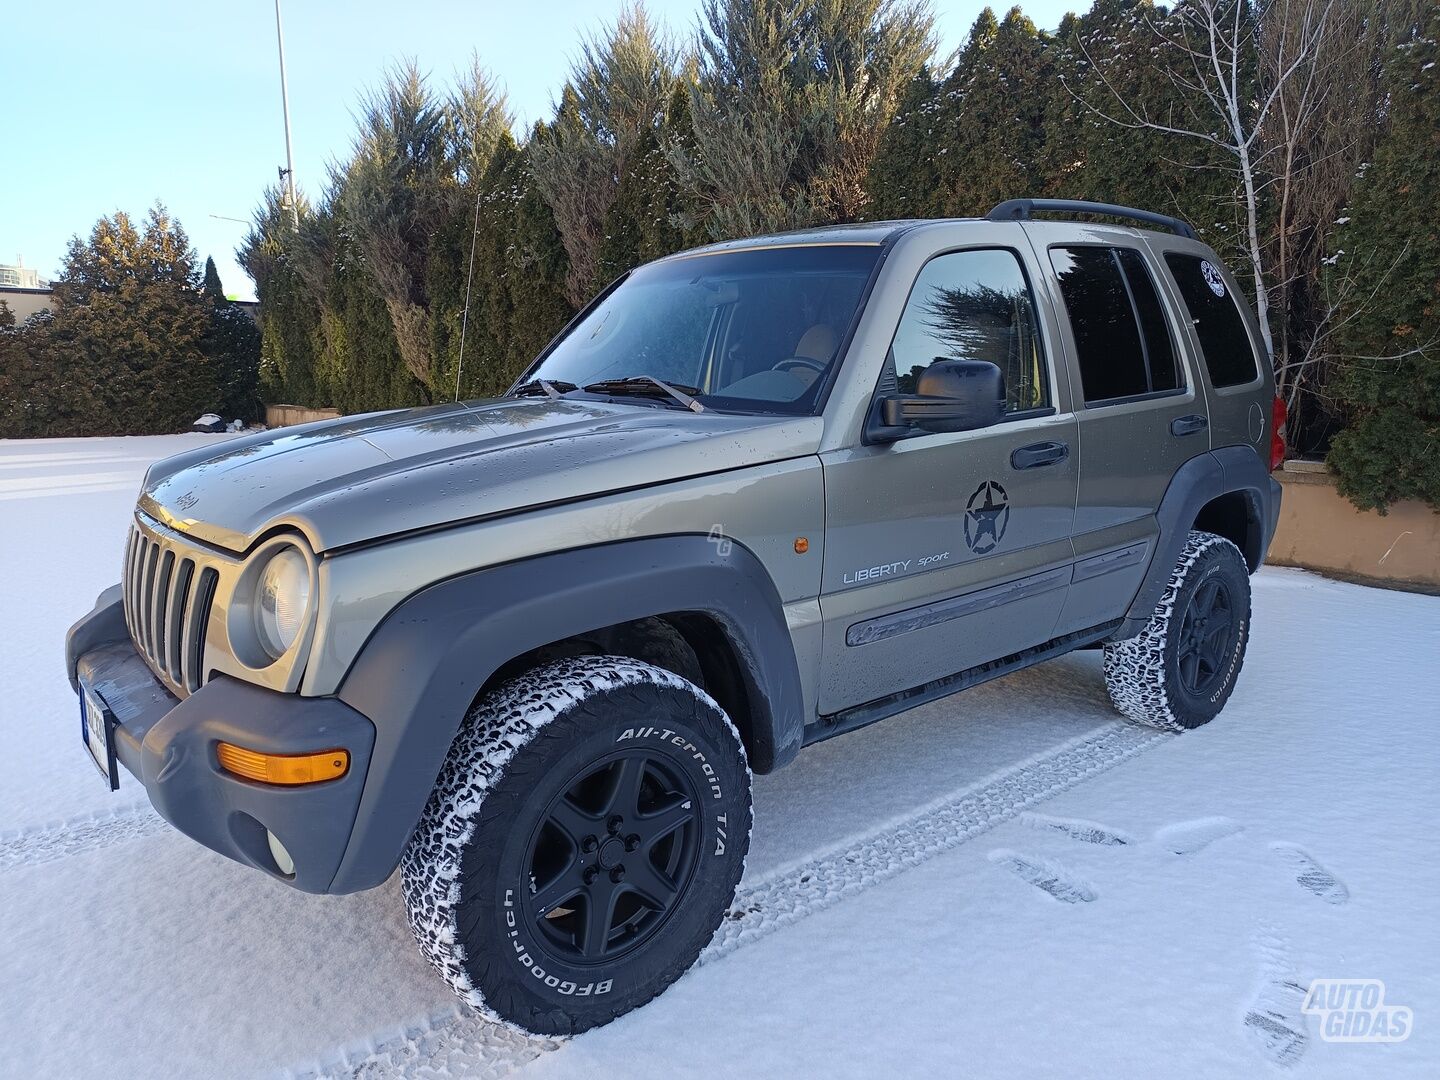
(753, 496)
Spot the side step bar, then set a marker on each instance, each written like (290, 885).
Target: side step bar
(827, 727)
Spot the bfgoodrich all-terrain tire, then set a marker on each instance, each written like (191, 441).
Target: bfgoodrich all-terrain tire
(1179, 671)
(582, 844)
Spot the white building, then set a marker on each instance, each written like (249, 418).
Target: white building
(23, 290)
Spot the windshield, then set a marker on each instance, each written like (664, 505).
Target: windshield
(753, 330)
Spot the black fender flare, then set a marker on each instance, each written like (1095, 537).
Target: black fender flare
(422, 668)
(1203, 478)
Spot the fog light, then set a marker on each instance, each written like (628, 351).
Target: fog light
(282, 768)
(282, 857)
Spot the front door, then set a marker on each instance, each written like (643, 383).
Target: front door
(948, 550)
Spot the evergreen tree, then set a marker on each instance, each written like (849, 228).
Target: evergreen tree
(610, 115)
(904, 179)
(1387, 273)
(489, 326)
(993, 116)
(647, 218)
(42, 394)
(538, 270)
(478, 127)
(212, 286)
(517, 296)
(233, 345)
(289, 316)
(791, 103)
(389, 196)
(131, 320)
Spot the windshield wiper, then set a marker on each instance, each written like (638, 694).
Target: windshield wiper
(544, 386)
(646, 385)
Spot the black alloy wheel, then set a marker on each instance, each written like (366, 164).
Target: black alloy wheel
(582, 844)
(1178, 672)
(612, 858)
(1207, 633)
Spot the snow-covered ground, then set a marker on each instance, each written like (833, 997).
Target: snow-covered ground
(1011, 882)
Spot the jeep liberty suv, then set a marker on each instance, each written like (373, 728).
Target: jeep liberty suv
(530, 650)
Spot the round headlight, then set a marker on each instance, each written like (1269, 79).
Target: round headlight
(282, 595)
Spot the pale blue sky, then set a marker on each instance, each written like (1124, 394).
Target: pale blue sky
(112, 105)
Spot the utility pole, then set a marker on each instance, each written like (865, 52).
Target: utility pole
(288, 173)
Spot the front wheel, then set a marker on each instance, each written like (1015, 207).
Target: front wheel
(1179, 671)
(582, 844)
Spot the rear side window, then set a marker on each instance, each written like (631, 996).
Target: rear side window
(1229, 353)
(1154, 329)
(1122, 338)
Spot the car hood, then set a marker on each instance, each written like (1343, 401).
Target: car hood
(359, 478)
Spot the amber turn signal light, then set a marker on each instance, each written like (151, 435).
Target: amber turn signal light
(283, 768)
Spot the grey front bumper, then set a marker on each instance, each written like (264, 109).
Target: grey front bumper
(169, 746)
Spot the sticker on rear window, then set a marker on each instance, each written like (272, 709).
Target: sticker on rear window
(1212, 277)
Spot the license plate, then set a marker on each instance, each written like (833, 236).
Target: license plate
(97, 731)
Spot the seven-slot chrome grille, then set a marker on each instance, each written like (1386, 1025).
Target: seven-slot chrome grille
(168, 593)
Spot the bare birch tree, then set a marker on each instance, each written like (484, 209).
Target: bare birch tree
(1320, 131)
(1229, 96)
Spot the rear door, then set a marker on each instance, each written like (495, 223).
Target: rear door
(947, 550)
(1224, 335)
(1140, 411)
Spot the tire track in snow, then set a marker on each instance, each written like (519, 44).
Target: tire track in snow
(47, 843)
(456, 1042)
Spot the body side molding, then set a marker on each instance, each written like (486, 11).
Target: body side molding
(955, 607)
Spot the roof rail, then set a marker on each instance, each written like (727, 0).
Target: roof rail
(1022, 209)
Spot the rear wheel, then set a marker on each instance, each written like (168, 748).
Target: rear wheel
(582, 844)
(1179, 671)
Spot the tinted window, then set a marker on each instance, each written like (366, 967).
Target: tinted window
(1107, 339)
(1121, 338)
(746, 330)
(1154, 329)
(974, 305)
(1229, 354)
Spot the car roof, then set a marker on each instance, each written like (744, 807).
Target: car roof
(877, 233)
(869, 233)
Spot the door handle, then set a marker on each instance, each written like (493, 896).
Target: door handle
(1037, 454)
(1188, 425)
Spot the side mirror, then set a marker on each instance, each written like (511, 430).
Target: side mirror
(951, 395)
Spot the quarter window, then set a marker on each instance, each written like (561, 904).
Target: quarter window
(1122, 338)
(974, 305)
(1213, 307)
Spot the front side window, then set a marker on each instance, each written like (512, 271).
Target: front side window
(749, 330)
(1122, 339)
(1213, 306)
(974, 305)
